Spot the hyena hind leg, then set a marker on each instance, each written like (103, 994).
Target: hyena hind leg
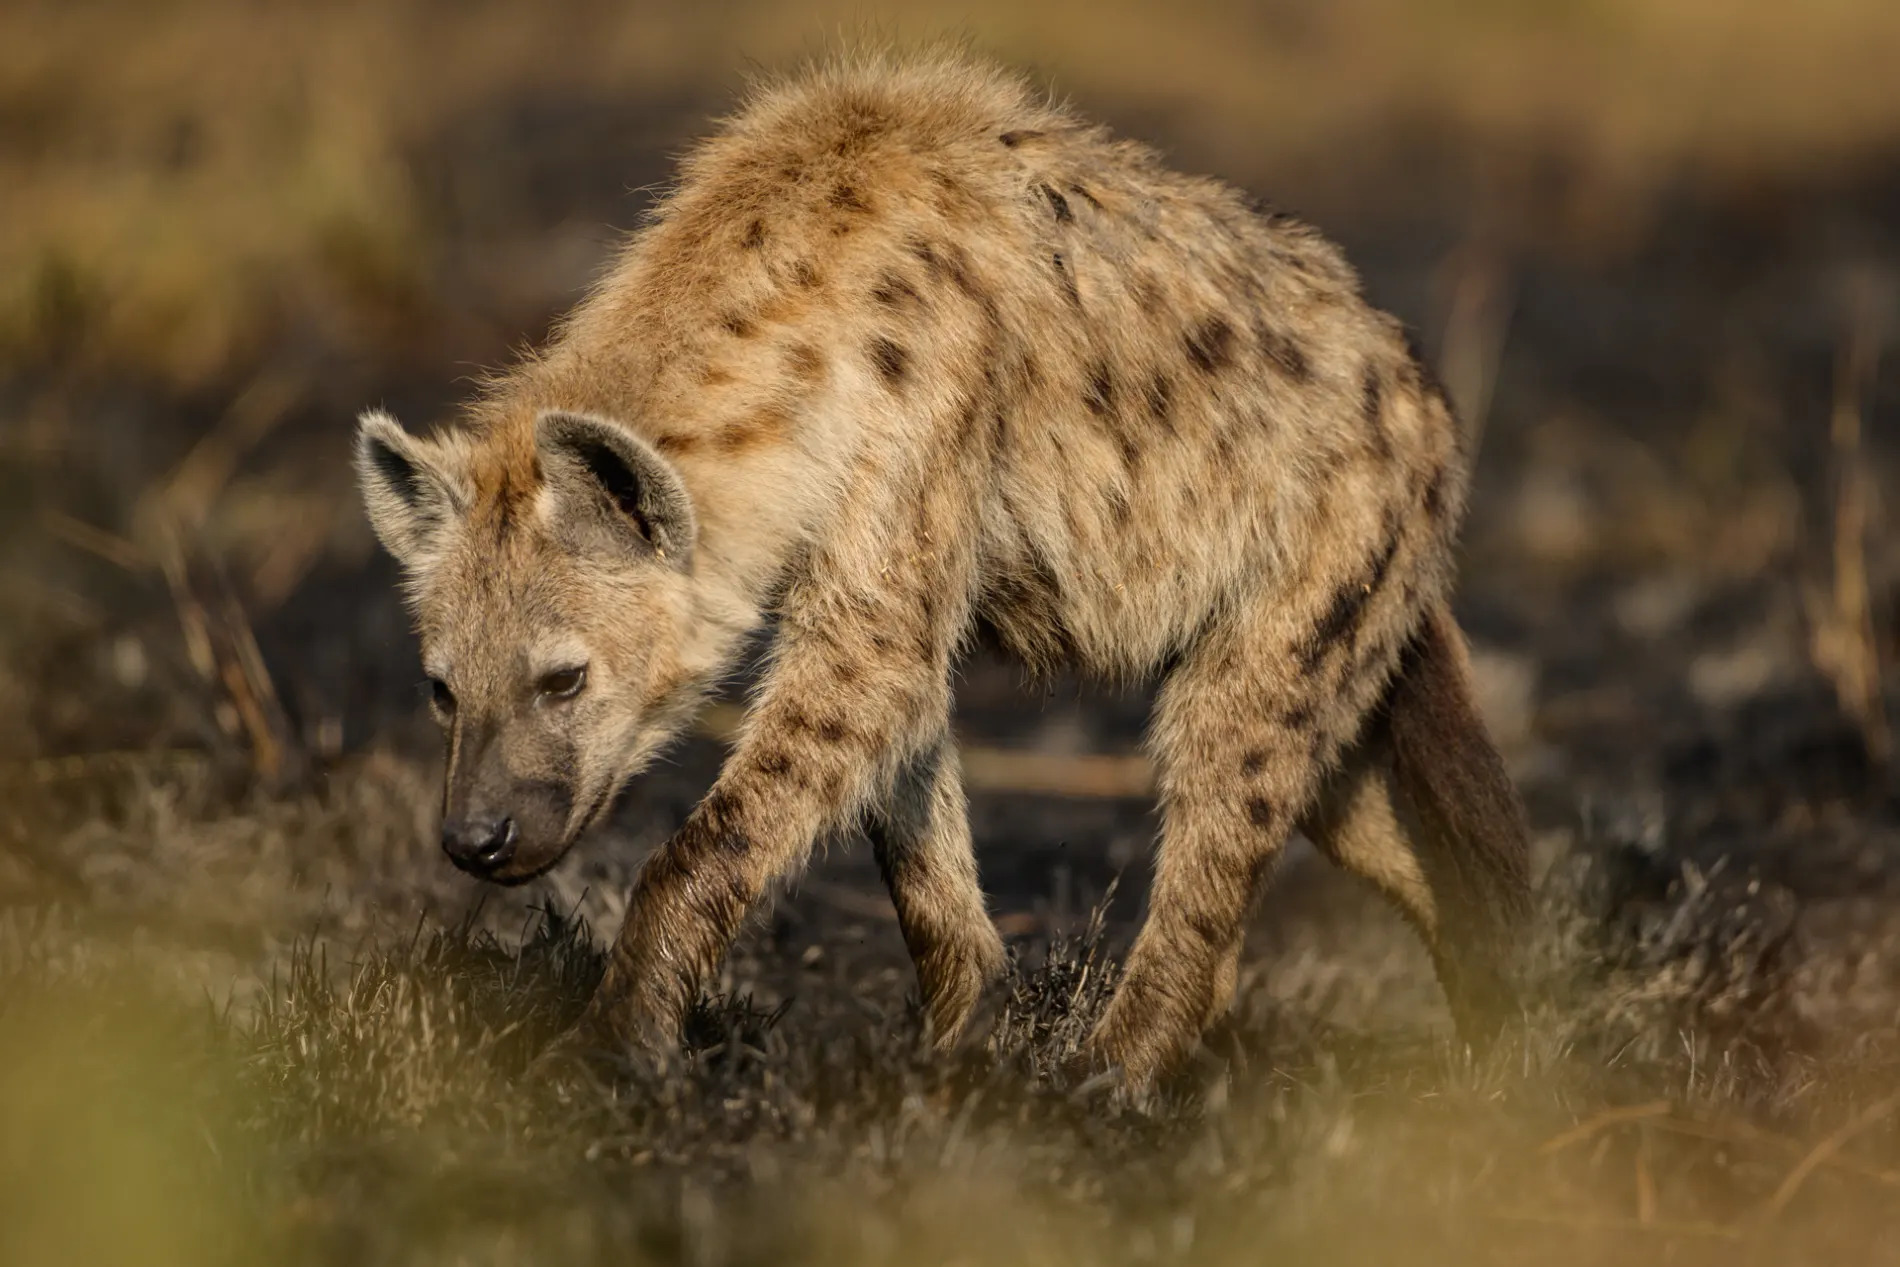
(1235, 736)
(1356, 823)
(921, 837)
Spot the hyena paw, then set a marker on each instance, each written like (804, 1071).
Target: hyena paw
(963, 1003)
(611, 1042)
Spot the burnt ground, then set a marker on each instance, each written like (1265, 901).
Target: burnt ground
(249, 1013)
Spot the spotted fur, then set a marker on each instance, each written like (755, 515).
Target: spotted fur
(910, 350)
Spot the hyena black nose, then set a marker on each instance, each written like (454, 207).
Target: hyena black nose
(479, 845)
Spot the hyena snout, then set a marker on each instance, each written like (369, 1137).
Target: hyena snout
(508, 831)
(480, 845)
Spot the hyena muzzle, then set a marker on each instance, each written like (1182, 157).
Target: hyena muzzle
(909, 353)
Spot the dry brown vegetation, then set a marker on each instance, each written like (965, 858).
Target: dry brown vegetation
(247, 1014)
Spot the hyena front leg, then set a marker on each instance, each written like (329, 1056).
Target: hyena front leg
(921, 835)
(859, 685)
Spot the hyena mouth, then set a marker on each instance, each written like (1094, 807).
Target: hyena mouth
(509, 878)
(596, 809)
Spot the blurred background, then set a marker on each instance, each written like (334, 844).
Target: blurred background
(1653, 247)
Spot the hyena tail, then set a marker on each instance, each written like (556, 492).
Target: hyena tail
(1473, 835)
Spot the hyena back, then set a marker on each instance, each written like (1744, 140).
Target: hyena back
(910, 351)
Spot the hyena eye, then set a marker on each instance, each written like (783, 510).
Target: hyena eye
(441, 696)
(563, 683)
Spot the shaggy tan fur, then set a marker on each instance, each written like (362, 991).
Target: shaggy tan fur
(911, 351)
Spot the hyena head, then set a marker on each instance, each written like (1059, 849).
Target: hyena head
(552, 590)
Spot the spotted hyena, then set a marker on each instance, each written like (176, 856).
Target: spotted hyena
(909, 353)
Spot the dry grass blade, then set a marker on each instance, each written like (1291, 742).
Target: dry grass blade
(197, 480)
(1824, 1151)
(96, 541)
(1844, 646)
(1645, 1183)
(1593, 1223)
(223, 651)
(1741, 1134)
(86, 765)
(1591, 1126)
(289, 560)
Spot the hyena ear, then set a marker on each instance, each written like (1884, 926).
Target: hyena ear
(410, 491)
(608, 486)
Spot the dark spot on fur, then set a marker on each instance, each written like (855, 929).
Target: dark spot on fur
(1260, 812)
(831, 730)
(927, 254)
(1375, 577)
(754, 236)
(1022, 605)
(1417, 369)
(774, 762)
(894, 292)
(1210, 345)
(1224, 449)
(1283, 353)
(1131, 452)
(1160, 396)
(1059, 205)
(845, 197)
(1341, 622)
(1372, 407)
(956, 266)
(1372, 396)
(1017, 137)
(1435, 494)
(1210, 930)
(766, 425)
(807, 362)
(719, 815)
(1118, 508)
(1253, 763)
(834, 787)
(804, 274)
(1083, 193)
(1299, 717)
(1099, 394)
(1066, 279)
(892, 361)
(737, 326)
